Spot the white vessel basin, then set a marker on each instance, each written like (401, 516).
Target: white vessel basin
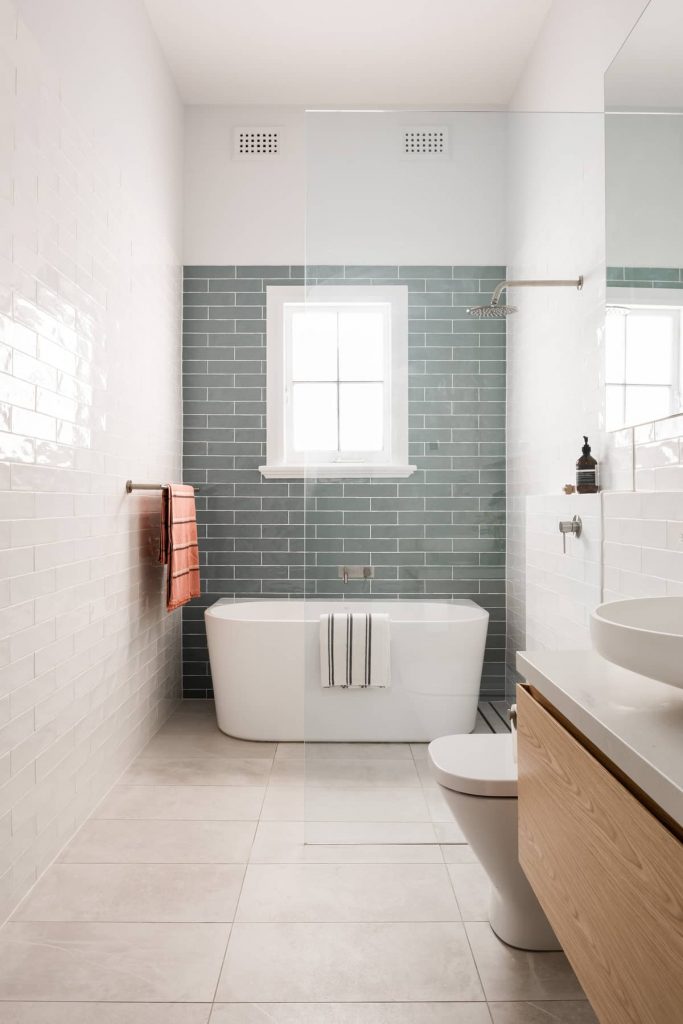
(644, 634)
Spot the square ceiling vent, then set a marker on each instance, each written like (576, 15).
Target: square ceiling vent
(426, 141)
(256, 143)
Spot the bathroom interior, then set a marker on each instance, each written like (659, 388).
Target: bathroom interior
(341, 512)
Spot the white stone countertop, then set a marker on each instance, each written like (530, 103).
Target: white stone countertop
(636, 722)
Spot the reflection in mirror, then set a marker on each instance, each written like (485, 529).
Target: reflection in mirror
(644, 216)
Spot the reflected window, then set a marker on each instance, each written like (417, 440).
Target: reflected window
(642, 364)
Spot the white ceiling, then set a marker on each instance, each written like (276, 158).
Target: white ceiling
(347, 53)
(647, 73)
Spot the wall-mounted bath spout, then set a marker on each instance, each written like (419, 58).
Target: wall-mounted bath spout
(495, 310)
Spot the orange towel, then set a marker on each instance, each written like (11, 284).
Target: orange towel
(178, 545)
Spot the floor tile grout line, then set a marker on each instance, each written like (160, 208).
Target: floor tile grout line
(237, 903)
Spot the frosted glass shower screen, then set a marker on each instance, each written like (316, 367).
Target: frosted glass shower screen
(404, 230)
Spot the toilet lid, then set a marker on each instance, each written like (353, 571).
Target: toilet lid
(481, 765)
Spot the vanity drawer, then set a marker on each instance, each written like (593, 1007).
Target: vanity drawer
(607, 872)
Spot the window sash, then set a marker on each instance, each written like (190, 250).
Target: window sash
(332, 455)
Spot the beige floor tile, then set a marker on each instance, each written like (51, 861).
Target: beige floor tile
(425, 773)
(111, 962)
(344, 751)
(208, 742)
(472, 890)
(348, 963)
(184, 803)
(109, 841)
(134, 893)
(438, 808)
(296, 842)
(509, 974)
(321, 803)
(350, 1013)
(346, 892)
(448, 832)
(458, 853)
(576, 1012)
(105, 1013)
(419, 751)
(352, 772)
(388, 833)
(195, 771)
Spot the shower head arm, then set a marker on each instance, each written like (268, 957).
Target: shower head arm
(576, 282)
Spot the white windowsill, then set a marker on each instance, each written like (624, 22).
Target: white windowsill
(336, 469)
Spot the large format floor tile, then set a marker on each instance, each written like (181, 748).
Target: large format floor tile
(111, 962)
(472, 890)
(134, 892)
(111, 841)
(174, 743)
(298, 842)
(196, 771)
(105, 1013)
(509, 974)
(348, 963)
(347, 892)
(561, 1012)
(184, 803)
(322, 803)
(349, 1013)
(363, 832)
(344, 773)
(345, 751)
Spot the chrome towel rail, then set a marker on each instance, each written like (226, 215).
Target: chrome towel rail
(130, 487)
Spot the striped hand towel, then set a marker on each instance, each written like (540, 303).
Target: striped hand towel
(178, 545)
(354, 649)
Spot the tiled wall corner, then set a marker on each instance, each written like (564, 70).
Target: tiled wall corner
(89, 660)
(439, 534)
(562, 588)
(643, 548)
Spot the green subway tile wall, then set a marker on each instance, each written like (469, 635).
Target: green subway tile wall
(438, 534)
(645, 277)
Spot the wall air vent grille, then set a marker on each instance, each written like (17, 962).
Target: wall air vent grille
(256, 143)
(425, 141)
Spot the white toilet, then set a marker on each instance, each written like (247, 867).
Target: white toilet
(478, 775)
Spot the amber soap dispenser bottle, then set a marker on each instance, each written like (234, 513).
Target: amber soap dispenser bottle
(586, 471)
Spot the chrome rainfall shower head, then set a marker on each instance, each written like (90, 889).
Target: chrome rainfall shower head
(493, 310)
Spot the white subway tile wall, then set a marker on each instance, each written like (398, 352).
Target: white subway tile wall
(643, 548)
(562, 587)
(89, 395)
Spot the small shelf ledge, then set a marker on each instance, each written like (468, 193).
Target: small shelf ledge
(336, 469)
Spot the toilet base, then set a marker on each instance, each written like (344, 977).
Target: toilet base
(489, 825)
(523, 926)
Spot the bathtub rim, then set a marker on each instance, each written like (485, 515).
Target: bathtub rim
(219, 610)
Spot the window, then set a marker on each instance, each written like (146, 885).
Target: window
(643, 364)
(337, 382)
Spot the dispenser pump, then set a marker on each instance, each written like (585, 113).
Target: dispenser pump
(586, 471)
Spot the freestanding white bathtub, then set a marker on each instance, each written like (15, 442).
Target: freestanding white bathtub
(265, 663)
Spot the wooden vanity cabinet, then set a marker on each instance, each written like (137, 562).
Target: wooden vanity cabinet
(606, 869)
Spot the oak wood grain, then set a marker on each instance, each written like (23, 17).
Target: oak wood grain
(607, 872)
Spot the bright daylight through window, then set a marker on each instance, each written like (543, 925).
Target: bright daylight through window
(337, 382)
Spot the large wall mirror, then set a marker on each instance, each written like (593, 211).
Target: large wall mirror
(644, 206)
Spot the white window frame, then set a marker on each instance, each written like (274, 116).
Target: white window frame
(664, 300)
(393, 461)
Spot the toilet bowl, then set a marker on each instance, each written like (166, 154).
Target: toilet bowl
(478, 777)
